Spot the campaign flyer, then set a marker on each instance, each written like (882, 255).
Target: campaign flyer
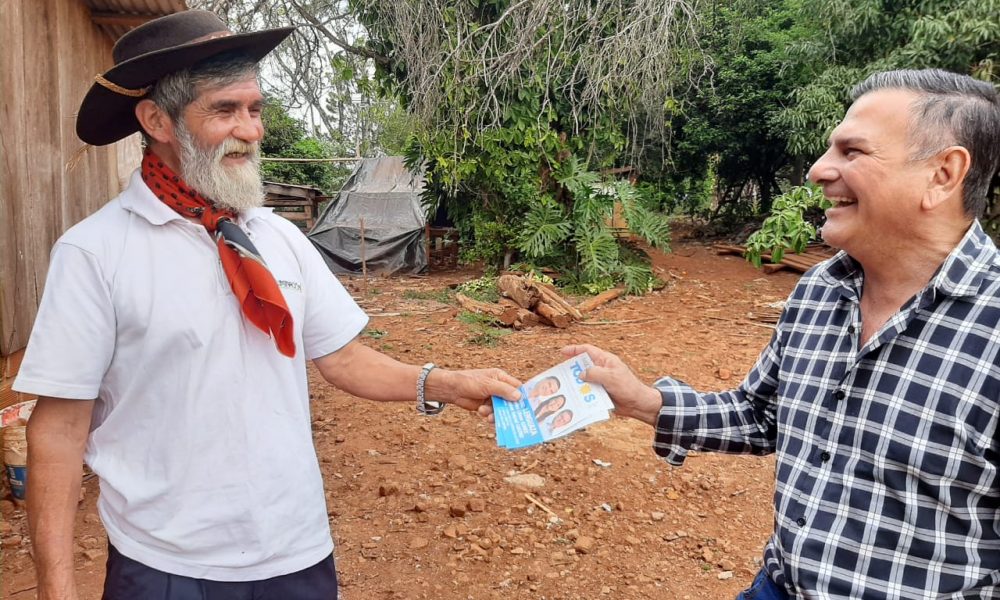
(554, 403)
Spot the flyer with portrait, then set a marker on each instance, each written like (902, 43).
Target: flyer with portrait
(553, 403)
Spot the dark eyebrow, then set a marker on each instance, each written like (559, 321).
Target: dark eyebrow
(849, 141)
(228, 105)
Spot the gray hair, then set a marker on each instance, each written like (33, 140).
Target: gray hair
(951, 109)
(174, 92)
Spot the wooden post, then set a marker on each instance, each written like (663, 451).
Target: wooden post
(364, 265)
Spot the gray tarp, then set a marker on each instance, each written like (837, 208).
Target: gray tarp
(383, 194)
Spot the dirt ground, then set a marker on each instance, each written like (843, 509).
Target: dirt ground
(419, 507)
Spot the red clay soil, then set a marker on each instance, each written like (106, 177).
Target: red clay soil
(419, 507)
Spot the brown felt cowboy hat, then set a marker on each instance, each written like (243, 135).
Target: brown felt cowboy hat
(151, 51)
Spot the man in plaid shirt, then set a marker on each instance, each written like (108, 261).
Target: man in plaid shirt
(879, 390)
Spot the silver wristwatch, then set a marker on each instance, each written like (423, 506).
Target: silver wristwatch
(425, 406)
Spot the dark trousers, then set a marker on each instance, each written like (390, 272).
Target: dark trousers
(130, 580)
(763, 588)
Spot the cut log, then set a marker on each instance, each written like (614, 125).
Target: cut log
(552, 315)
(599, 300)
(519, 290)
(483, 308)
(552, 297)
(518, 318)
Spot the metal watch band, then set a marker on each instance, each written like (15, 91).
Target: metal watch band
(425, 406)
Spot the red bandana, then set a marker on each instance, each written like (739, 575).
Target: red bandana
(252, 282)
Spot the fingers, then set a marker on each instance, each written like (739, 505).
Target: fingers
(598, 355)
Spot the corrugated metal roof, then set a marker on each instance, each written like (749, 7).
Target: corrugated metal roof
(115, 17)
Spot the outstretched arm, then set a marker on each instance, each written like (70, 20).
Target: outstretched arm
(368, 373)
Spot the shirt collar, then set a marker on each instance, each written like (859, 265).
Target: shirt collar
(140, 200)
(960, 275)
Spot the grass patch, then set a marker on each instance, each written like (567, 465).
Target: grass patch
(482, 328)
(376, 334)
(444, 296)
(483, 289)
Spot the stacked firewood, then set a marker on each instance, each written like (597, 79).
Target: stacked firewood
(526, 302)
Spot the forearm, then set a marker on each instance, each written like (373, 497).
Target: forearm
(57, 433)
(734, 422)
(366, 373)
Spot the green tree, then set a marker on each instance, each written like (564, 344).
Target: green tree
(519, 105)
(285, 137)
(860, 37)
(733, 119)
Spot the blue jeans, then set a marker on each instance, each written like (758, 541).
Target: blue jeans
(763, 588)
(131, 580)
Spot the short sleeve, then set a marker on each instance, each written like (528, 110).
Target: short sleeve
(331, 318)
(73, 338)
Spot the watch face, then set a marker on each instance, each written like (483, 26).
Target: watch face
(431, 407)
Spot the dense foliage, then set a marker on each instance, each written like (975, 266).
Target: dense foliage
(859, 37)
(285, 137)
(520, 106)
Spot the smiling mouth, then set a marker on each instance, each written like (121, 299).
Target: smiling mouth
(840, 201)
(236, 155)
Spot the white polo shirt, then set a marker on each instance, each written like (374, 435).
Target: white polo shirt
(201, 432)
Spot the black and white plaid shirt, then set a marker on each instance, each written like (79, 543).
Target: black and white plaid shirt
(887, 482)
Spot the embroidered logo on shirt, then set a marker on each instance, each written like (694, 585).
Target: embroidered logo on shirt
(289, 285)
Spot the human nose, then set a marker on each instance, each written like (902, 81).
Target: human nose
(824, 169)
(249, 127)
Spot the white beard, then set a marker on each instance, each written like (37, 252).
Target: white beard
(234, 187)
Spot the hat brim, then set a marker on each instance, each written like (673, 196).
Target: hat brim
(106, 116)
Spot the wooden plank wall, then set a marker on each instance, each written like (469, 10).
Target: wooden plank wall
(49, 52)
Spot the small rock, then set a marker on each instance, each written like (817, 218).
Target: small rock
(725, 374)
(450, 532)
(456, 510)
(90, 542)
(657, 516)
(476, 505)
(519, 550)
(93, 554)
(584, 544)
(388, 489)
(601, 463)
(707, 556)
(11, 542)
(727, 565)
(418, 542)
(672, 495)
(458, 461)
(726, 575)
(552, 575)
(526, 480)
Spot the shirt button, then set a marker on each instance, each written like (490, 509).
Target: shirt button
(851, 329)
(839, 395)
(824, 456)
(801, 521)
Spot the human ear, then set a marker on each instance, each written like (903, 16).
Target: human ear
(154, 121)
(951, 165)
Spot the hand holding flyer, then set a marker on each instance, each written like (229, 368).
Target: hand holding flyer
(553, 403)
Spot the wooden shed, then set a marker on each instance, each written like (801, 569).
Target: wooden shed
(297, 203)
(52, 49)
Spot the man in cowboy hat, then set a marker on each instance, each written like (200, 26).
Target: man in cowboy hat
(170, 344)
